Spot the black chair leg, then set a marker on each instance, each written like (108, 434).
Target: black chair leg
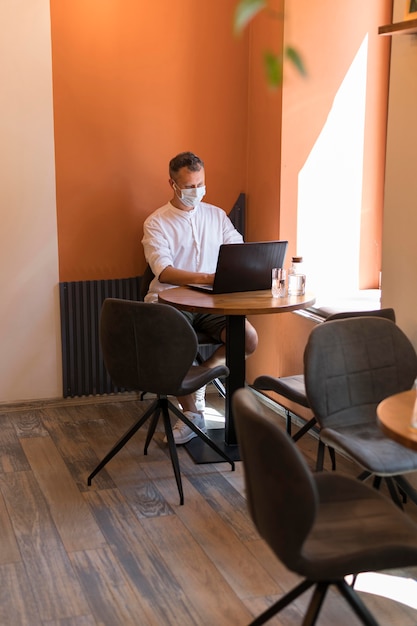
(289, 422)
(123, 440)
(392, 491)
(332, 454)
(316, 603)
(364, 475)
(406, 488)
(304, 429)
(356, 603)
(320, 456)
(172, 449)
(377, 482)
(151, 429)
(216, 382)
(352, 584)
(282, 603)
(220, 387)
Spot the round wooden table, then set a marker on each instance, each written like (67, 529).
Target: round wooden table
(395, 415)
(235, 306)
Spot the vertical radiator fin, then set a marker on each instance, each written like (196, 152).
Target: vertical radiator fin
(83, 369)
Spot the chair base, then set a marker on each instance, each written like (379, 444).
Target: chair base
(316, 602)
(160, 405)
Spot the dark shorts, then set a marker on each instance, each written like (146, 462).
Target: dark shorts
(212, 325)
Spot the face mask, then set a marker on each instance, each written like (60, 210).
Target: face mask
(191, 197)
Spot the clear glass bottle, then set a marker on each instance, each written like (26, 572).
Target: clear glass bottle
(296, 265)
(296, 277)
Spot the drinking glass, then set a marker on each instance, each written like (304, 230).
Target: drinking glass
(279, 282)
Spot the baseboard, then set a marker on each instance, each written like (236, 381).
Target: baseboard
(23, 405)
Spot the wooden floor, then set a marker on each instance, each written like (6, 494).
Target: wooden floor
(123, 552)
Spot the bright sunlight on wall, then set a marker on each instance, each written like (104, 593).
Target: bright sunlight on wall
(330, 190)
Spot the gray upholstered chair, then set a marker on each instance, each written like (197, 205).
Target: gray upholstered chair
(322, 526)
(206, 345)
(350, 365)
(292, 388)
(153, 347)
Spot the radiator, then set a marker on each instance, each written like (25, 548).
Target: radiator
(83, 370)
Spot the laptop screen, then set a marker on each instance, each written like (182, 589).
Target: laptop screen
(246, 266)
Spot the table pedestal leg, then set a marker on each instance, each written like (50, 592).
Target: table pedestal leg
(235, 361)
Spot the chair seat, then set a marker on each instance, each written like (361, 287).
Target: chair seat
(361, 519)
(383, 457)
(291, 387)
(197, 377)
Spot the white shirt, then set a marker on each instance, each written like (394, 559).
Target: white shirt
(186, 240)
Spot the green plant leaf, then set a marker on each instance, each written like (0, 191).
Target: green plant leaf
(245, 12)
(273, 68)
(295, 58)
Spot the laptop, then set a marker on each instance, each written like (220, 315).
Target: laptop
(245, 266)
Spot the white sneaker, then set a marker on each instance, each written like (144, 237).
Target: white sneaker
(183, 433)
(200, 399)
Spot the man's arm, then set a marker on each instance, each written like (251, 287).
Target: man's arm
(174, 276)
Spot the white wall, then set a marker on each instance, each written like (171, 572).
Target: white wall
(30, 361)
(399, 261)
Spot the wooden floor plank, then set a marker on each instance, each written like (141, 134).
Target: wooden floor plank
(227, 502)
(17, 603)
(9, 552)
(12, 458)
(112, 599)
(161, 595)
(54, 585)
(214, 600)
(69, 510)
(79, 620)
(29, 424)
(242, 572)
(75, 450)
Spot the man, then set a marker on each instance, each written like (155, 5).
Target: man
(181, 243)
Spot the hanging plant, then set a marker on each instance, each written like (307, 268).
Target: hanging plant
(245, 12)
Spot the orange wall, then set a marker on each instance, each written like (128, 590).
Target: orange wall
(133, 85)
(264, 132)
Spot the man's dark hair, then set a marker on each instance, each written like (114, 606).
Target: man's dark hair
(185, 159)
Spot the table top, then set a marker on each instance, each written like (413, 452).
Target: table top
(394, 416)
(239, 303)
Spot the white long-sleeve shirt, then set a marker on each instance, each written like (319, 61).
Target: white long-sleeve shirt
(187, 240)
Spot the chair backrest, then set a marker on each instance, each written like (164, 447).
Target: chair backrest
(146, 280)
(146, 345)
(387, 313)
(281, 493)
(351, 364)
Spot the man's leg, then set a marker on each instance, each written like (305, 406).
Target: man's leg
(219, 356)
(182, 433)
(215, 327)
